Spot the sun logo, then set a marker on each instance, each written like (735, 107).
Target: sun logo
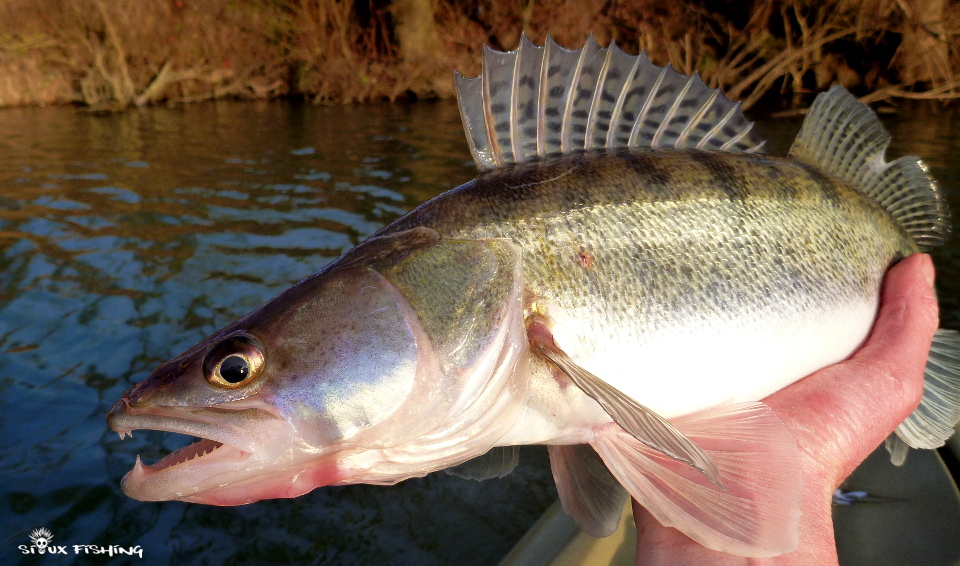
(41, 539)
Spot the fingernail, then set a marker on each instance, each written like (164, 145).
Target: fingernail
(928, 271)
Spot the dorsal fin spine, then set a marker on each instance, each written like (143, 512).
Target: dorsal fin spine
(670, 113)
(542, 98)
(525, 101)
(485, 82)
(597, 95)
(515, 98)
(621, 98)
(571, 97)
(699, 115)
(641, 118)
(470, 100)
(718, 127)
(736, 138)
(703, 112)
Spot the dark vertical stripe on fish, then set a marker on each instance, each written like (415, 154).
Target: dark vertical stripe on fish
(660, 183)
(828, 189)
(781, 180)
(729, 180)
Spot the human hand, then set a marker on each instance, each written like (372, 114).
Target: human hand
(838, 416)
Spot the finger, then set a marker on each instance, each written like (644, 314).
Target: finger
(841, 413)
(907, 319)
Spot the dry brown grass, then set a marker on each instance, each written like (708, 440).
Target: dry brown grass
(109, 54)
(337, 58)
(877, 48)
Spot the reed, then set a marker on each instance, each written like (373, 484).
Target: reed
(117, 54)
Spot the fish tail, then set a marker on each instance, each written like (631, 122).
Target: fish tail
(934, 420)
(844, 137)
(755, 513)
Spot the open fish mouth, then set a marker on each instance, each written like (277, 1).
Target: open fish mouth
(207, 424)
(232, 442)
(124, 423)
(193, 451)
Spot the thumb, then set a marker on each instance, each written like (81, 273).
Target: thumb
(843, 412)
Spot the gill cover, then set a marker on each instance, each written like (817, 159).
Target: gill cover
(468, 300)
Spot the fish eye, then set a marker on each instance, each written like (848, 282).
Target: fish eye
(234, 362)
(234, 369)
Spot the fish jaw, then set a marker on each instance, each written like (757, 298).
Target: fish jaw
(287, 484)
(246, 453)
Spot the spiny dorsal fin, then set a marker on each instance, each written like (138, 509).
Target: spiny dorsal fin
(535, 102)
(843, 136)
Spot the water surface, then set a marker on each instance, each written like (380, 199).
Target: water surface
(126, 239)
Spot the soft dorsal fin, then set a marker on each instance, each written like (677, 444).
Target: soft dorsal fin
(535, 102)
(843, 136)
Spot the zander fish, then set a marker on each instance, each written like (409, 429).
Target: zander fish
(625, 280)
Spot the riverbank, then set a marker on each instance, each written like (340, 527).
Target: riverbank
(112, 55)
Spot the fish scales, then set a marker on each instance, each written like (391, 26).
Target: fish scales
(665, 235)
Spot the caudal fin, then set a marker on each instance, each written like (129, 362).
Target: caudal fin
(934, 420)
(757, 512)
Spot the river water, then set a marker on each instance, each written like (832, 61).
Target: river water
(127, 238)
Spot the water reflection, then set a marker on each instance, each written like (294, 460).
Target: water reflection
(126, 239)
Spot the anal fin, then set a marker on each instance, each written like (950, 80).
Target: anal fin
(758, 513)
(588, 491)
(644, 424)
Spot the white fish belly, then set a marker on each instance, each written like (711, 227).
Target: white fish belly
(704, 363)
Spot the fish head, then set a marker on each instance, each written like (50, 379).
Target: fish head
(336, 380)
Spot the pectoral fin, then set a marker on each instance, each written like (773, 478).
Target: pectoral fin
(758, 513)
(644, 424)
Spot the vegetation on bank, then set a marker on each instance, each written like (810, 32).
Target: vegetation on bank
(109, 54)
